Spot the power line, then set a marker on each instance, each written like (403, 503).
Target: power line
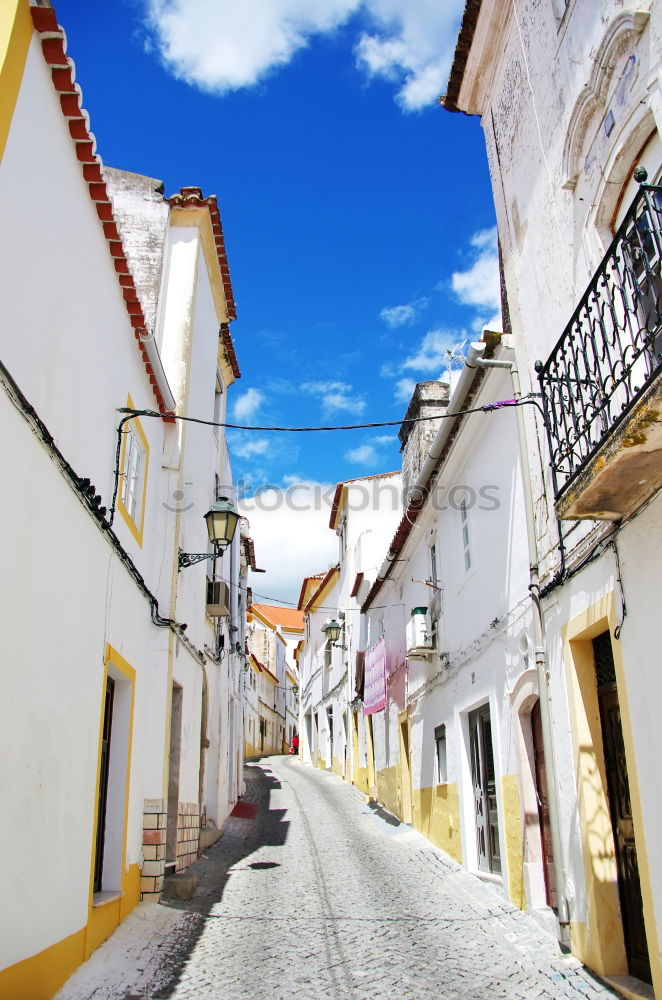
(321, 607)
(486, 408)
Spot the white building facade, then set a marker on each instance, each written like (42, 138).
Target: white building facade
(288, 622)
(122, 736)
(451, 607)
(334, 732)
(271, 711)
(570, 99)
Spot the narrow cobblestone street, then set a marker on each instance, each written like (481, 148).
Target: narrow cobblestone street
(320, 896)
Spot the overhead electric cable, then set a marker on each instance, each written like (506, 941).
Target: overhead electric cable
(130, 413)
(499, 404)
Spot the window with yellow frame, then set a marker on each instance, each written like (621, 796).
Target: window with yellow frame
(134, 461)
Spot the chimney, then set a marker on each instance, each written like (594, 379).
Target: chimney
(428, 401)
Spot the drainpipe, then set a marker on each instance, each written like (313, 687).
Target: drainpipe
(476, 361)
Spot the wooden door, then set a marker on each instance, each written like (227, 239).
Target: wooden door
(103, 782)
(620, 808)
(484, 786)
(329, 728)
(405, 772)
(542, 795)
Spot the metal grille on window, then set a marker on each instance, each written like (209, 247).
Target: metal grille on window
(605, 671)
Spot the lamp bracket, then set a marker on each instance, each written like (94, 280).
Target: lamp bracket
(186, 559)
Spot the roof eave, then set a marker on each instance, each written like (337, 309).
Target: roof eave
(449, 101)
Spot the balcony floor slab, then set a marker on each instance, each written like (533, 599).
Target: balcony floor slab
(627, 469)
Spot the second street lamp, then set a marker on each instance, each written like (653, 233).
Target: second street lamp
(332, 630)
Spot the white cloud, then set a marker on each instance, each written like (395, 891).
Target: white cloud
(335, 396)
(398, 315)
(335, 401)
(245, 449)
(370, 453)
(479, 285)
(221, 45)
(432, 354)
(404, 388)
(323, 387)
(364, 454)
(413, 45)
(300, 512)
(246, 406)
(404, 315)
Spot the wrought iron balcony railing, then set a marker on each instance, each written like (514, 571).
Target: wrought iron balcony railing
(611, 350)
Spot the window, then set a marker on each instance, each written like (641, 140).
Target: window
(560, 8)
(433, 564)
(342, 538)
(134, 458)
(464, 518)
(328, 653)
(134, 464)
(440, 754)
(218, 401)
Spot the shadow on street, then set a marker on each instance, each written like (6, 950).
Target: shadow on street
(239, 839)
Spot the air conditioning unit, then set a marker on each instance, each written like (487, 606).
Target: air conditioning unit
(419, 635)
(218, 599)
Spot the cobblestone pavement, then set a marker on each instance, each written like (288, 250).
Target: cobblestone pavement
(321, 897)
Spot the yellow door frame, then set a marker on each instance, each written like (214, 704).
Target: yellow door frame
(600, 942)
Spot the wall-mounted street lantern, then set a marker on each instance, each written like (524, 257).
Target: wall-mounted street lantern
(221, 521)
(332, 630)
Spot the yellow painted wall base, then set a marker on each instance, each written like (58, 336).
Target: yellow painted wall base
(387, 789)
(361, 781)
(514, 839)
(592, 955)
(437, 817)
(103, 920)
(41, 976)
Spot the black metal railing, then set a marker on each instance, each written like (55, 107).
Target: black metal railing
(611, 350)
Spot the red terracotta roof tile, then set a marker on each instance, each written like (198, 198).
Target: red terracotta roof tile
(304, 585)
(192, 197)
(249, 551)
(287, 617)
(62, 73)
(326, 579)
(228, 344)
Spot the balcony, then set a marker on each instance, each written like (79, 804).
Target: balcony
(601, 385)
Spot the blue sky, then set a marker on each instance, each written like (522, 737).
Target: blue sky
(357, 213)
